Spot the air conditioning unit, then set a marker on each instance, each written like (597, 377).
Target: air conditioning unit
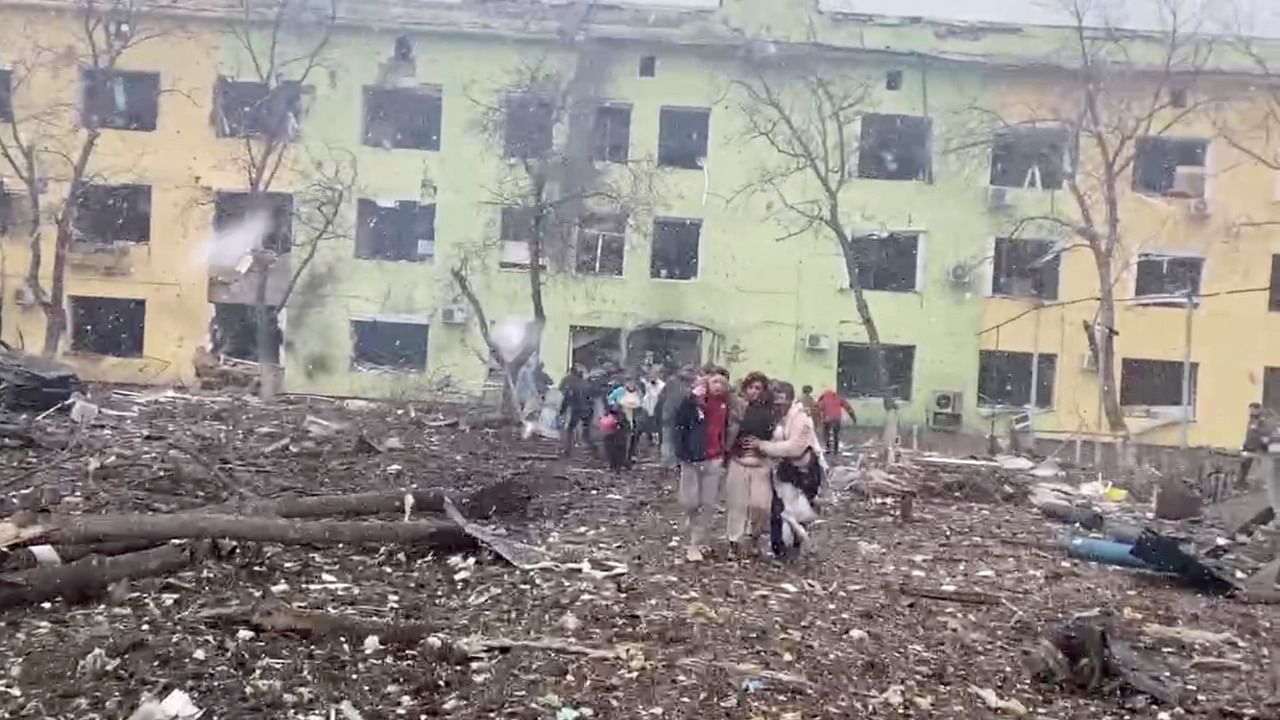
(999, 198)
(453, 315)
(1199, 209)
(961, 274)
(817, 341)
(946, 410)
(1188, 182)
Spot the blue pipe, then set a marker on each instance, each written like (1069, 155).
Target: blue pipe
(1107, 552)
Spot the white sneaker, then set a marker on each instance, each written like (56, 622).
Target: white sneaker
(693, 555)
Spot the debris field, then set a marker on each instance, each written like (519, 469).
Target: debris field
(286, 575)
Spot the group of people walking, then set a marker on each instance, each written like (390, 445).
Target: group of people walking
(758, 445)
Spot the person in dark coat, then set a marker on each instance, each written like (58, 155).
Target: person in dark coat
(576, 406)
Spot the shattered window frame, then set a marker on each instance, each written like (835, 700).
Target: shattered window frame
(232, 206)
(514, 251)
(259, 111)
(94, 320)
(680, 146)
(1273, 292)
(103, 214)
(606, 341)
(602, 246)
(1271, 390)
(528, 126)
(1138, 374)
(855, 371)
(416, 126)
(665, 258)
(233, 331)
(405, 357)
(877, 256)
(671, 347)
(611, 134)
(1156, 161)
(887, 131)
(1004, 379)
(1012, 274)
(6, 95)
(405, 232)
(1031, 152)
(1157, 279)
(119, 99)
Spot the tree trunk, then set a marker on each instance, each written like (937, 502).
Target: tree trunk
(1107, 351)
(55, 311)
(264, 338)
(88, 578)
(74, 529)
(851, 261)
(502, 498)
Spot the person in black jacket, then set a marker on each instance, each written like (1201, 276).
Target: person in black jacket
(576, 406)
(699, 437)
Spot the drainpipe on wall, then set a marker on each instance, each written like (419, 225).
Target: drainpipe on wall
(1185, 426)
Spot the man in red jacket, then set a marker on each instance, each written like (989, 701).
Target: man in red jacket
(832, 408)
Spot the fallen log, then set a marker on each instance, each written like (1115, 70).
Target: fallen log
(501, 498)
(26, 558)
(76, 529)
(90, 577)
(971, 597)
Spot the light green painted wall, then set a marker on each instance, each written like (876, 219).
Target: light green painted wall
(763, 295)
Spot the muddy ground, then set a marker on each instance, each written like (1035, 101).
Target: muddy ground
(840, 634)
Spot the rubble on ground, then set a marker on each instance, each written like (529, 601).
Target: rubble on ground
(568, 595)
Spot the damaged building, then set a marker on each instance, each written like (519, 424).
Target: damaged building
(460, 157)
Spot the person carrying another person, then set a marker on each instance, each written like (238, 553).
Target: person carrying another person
(798, 472)
(698, 442)
(748, 492)
(832, 408)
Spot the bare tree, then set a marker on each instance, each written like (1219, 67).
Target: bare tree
(544, 121)
(285, 43)
(49, 147)
(1252, 123)
(1123, 88)
(809, 122)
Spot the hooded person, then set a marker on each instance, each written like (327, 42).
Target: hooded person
(673, 394)
(799, 469)
(747, 489)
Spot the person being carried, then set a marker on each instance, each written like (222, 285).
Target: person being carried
(698, 441)
(798, 471)
(832, 408)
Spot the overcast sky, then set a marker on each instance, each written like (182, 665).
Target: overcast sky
(1261, 16)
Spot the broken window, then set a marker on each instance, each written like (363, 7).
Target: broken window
(249, 108)
(887, 262)
(682, 137)
(232, 209)
(404, 230)
(110, 214)
(383, 345)
(1154, 383)
(6, 95)
(8, 208)
(602, 245)
(516, 230)
(1168, 277)
(108, 326)
(1025, 268)
(895, 147)
(235, 332)
(120, 100)
(1271, 389)
(591, 347)
(648, 66)
(612, 136)
(893, 80)
(528, 126)
(1273, 296)
(675, 249)
(1029, 157)
(402, 118)
(670, 347)
(1005, 378)
(856, 370)
(1173, 167)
